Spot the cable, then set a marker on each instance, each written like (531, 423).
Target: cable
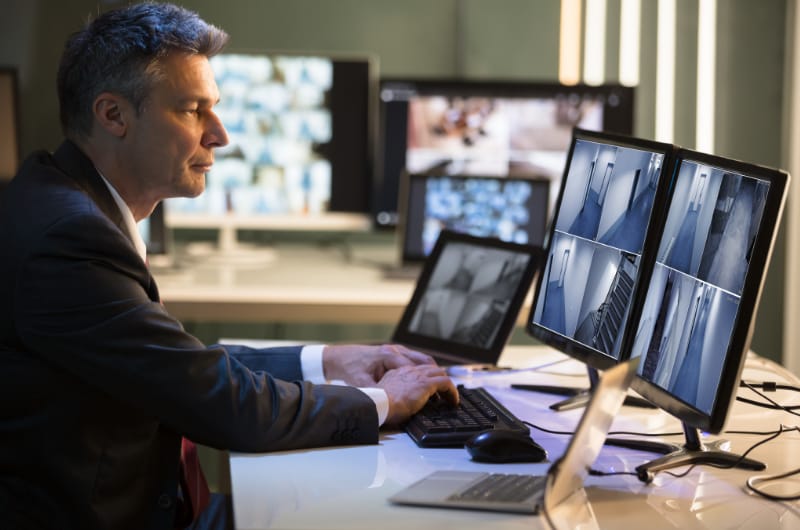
(769, 386)
(753, 482)
(773, 403)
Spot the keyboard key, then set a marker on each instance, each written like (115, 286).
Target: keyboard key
(440, 424)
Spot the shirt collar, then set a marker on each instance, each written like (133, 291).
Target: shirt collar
(128, 219)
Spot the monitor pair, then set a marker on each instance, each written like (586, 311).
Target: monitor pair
(660, 252)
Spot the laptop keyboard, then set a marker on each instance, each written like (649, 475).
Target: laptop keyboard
(440, 424)
(500, 487)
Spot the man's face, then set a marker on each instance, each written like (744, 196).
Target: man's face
(170, 143)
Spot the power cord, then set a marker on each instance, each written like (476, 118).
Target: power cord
(772, 404)
(756, 480)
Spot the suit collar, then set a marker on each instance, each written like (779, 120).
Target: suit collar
(80, 168)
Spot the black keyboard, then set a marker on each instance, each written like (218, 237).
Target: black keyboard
(440, 424)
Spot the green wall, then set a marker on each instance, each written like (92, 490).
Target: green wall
(471, 38)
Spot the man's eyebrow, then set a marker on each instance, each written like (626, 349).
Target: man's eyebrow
(200, 100)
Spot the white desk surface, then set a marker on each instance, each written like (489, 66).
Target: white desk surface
(286, 283)
(290, 282)
(348, 487)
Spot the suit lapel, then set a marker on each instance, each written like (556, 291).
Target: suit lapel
(72, 161)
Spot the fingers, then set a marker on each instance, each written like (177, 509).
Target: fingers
(410, 387)
(400, 355)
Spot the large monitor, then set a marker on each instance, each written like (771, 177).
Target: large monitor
(595, 260)
(507, 208)
(475, 127)
(300, 136)
(697, 320)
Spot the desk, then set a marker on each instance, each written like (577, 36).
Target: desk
(290, 282)
(286, 283)
(348, 487)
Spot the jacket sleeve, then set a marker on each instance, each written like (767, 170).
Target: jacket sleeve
(282, 362)
(85, 302)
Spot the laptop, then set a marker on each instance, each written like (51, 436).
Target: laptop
(565, 477)
(467, 298)
(511, 208)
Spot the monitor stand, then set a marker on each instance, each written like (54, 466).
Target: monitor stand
(695, 452)
(578, 397)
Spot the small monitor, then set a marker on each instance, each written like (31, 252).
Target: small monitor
(476, 127)
(712, 255)
(154, 231)
(299, 127)
(595, 260)
(467, 298)
(508, 208)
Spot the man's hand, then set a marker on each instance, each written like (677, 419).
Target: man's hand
(366, 365)
(410, 387)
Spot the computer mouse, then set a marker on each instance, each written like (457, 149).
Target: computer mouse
(500, 446)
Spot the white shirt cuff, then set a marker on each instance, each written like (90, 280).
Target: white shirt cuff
(311, 365)
(378, 395)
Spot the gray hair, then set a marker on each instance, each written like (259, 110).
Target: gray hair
(119, 52)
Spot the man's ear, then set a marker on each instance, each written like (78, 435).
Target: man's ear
(111, 112)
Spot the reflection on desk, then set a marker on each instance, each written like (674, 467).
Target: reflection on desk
(348, 487)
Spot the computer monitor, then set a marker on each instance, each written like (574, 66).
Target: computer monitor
(299, 127)
(485, 128)
(596, 261)
(507, 208)
(154, 231)
(699, 310)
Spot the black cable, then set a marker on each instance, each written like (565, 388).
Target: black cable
(774, 404)
(769, 386)
(753, 482)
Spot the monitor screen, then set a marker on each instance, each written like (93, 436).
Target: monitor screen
(507, 208)
(697, 318)
(485, 128)
(467, 298)
(299, 130)
(600, 232)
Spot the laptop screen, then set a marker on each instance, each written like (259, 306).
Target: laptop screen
(468, 297)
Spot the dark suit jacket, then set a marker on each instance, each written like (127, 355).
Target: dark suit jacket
(98, 382)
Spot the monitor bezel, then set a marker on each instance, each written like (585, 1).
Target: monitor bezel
(621, 121)
(591, 357)
(407, 254)
(458, 352)
(744, 323)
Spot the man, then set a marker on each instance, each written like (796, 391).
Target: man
(98, 383)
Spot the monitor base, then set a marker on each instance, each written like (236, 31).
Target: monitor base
(694, 452)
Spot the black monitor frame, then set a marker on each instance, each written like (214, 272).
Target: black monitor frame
(713, 420)
(504, 299)
(729, 295)
(391, 149)
(593, 357)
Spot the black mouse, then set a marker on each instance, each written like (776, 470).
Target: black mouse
(500, 446)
